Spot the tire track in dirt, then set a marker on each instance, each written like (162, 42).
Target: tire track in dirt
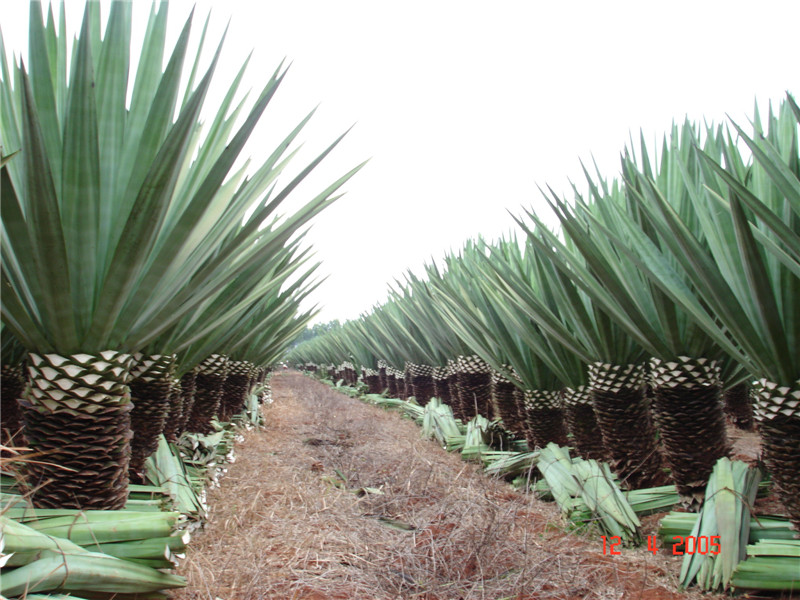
(336, 499)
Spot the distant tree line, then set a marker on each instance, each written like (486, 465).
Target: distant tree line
(317, 329)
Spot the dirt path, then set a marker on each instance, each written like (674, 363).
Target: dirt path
(337, 499)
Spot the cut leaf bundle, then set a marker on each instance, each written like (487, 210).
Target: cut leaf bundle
(725, 517)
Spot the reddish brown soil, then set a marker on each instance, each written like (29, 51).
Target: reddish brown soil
(293, 518)
(746, 444)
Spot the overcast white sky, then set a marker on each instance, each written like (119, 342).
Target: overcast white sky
(466, 107)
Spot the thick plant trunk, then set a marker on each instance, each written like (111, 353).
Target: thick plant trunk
(408, 390)
(188, 390)
(384, 382)
(739, 406)
(235, 389)
(12, 382)
(522, 413)
(402, 390)
(76, 413)
(505, 404)
(474, 384)
(349, 373)
(373, 380)
(455, 396)
(688, 413)
(778, 417)
(624, 420)
(421, 377)
(441, 387)
(211, 374)
(151, 382)
(391, 383)
(175, 415)
(582, 423)
(544, 416)
(400, 381)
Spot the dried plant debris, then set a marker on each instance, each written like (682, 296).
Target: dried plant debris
(376, 511)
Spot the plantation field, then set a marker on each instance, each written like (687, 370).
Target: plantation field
(632, 349)
(339, 499)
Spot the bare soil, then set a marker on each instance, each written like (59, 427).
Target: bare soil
(337, 499)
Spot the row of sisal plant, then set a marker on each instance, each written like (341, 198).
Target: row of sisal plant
(145, 270)
(661, 289)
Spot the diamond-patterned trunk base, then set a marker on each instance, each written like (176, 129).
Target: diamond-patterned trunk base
(211, 374)
(94, 448)
(544, 416)
(519, 400)
(441, 387)
(475, 394)
(738, 404)
(235, 389)
(421, 377)
(12, 384)
(234, 396)
(188, 389)
(373, 380)
(402, 388)
(408, 388)
(624, 419)
(688, 412)
(151, 382)
(391, 383)
(423, 388)
(505, 404)
(384, 382)
(175, 414)
(347, 372)
(400, 381)
(778, 416)
(582, 423)
(455, 396)
(474, 384)
(76, 413)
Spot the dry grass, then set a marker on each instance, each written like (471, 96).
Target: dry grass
(292, 519)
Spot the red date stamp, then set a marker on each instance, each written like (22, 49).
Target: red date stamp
(701, 544)
(614, 542)
(689, 544)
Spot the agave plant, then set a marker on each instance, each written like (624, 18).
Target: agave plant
(330, 350)
(687, 362)
(263, 335)
(150, 385)
(229, 322)
(383, 334)
(532, 409)
(529, 295)
(410, 355)
(362, 356)
(540, 288)
(414, 301)
(118, 222)
(742, 266)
